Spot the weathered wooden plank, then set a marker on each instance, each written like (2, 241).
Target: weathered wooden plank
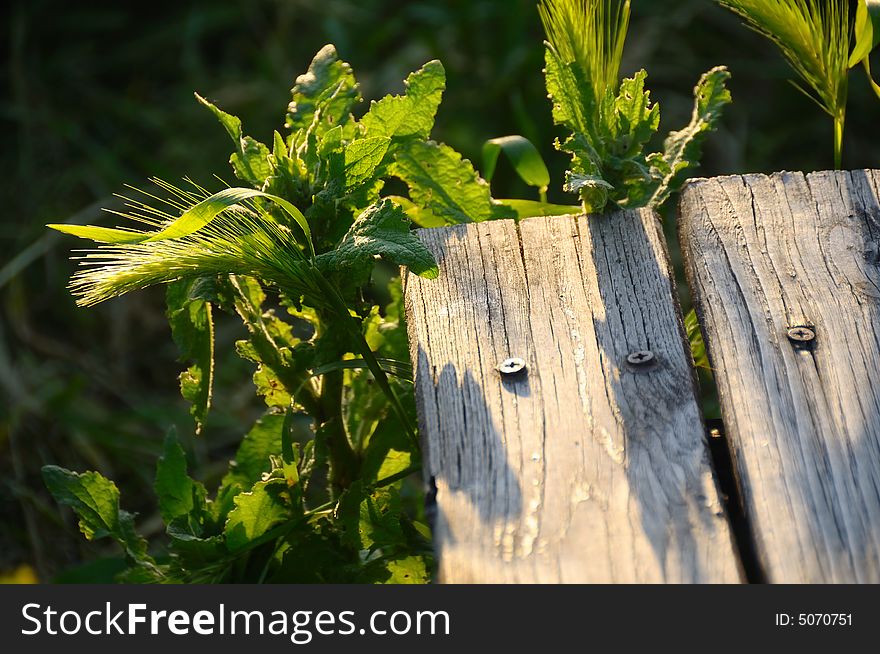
(766, 254)
(584, 468)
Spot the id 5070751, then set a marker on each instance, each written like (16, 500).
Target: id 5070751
(814, 620)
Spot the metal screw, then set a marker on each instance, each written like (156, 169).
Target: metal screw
(801, 334)
(512, 366)
(640, 358)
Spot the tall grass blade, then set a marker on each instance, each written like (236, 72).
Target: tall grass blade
(814, 37)
(590, 33)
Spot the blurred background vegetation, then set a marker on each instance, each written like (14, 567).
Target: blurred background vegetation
(99, 94)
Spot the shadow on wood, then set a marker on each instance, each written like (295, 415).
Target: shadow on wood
(586, 468)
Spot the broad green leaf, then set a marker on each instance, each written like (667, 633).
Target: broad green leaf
(95, 500)
(190, 221)
(444, 183)
(250, 161)
(179, 496)
(268, 385)
(267, 376)
(571, 94)
(323, 97)
(408, 570)
(192, 326)
(576, 107)
(410, 115)
(530, 208)
(362, 158)
(682, 149)
(252, 459)
(524, 157)
(255, 512)
(380, 231)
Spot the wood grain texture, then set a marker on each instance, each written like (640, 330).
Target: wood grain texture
(583, 469)
(764, 254)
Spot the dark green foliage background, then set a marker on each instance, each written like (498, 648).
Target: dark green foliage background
(98, 94)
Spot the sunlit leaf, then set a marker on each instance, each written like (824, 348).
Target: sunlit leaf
(523, 156)
(95, 500)
(444, 183)
(255, 512)
(410, 115)
(179, 496)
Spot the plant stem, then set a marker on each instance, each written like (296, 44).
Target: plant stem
(344, 462)
(382, 379)
(367, 353)
(838, 139)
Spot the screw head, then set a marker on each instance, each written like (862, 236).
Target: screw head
(512, 366)
(801, 334)
(640, 358)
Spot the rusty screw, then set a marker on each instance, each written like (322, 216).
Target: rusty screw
(801, 334)
(640, 358)
(512, 366)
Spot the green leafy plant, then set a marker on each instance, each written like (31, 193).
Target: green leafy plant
(315, 492)
(611, 121)
(814, 37)
(316, 489)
